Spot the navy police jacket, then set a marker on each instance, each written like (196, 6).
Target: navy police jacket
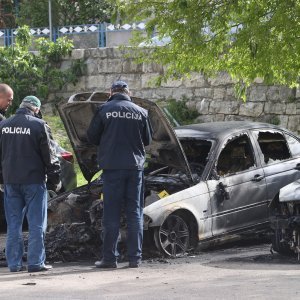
(120, 129)
(2, 115)
(26, 154)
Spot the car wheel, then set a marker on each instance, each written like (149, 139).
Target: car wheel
(173, 236)
(279, 245)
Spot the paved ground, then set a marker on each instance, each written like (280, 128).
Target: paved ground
(245, 271)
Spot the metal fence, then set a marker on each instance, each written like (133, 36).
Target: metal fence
(83, 36)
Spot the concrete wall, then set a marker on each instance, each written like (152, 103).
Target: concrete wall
(213, 97)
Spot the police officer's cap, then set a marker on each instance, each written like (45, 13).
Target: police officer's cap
(119, 85)
(33, 101)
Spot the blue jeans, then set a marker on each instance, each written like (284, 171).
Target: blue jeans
(122, 188)
(29, 200)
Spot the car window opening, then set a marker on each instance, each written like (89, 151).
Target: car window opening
(273, 147)
(197, 153)
(237, 156)
(162, 180)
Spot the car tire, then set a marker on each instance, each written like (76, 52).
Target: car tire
(279, 245)
(173, 236)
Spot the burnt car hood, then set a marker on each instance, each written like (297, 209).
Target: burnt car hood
(77, 114)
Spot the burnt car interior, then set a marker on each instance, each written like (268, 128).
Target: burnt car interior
(163, 180)
(273, 146)
(237, 156)
(197, 152)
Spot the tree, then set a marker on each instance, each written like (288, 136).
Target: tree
(7, 17)
(246, 38)
(31, 73)
(65, 12)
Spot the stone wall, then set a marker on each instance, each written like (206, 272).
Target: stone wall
(214, 98)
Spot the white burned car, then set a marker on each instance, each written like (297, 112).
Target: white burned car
(285, 220)
(204, 183)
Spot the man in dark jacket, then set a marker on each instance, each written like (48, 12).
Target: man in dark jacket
(27, 161)
(121, 129)
(6, 98)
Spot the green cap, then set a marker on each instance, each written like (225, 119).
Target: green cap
(33, 101)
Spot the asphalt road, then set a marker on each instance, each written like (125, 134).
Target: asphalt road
(244, 271)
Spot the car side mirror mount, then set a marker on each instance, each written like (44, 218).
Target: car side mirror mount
(215, 175)
(222, 192)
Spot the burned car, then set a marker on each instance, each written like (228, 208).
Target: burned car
(285, 220)
(204, 184)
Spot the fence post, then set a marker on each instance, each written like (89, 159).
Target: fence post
(7, 37)
(102, 32)
(54, 34)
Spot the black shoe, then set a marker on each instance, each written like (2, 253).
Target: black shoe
(134, 264)
(40, 269)
(105, 265)
(19, 269)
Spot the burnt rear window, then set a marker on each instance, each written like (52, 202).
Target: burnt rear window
(273, 146)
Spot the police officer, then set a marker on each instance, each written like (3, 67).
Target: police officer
(27, 160)
(6, 98)
(121, 129)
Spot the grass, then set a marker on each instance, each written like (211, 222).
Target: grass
(60, 135)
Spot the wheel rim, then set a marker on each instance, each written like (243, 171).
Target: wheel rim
(174, 236)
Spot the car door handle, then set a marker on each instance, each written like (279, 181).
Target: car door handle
(257, 178)
(297, 167)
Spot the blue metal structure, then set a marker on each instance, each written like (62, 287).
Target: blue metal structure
(99, 30)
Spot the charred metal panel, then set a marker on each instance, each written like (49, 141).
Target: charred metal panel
(238, 196)
(194, 199)
(280, 168)
(290, 193)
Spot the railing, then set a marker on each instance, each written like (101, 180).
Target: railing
(83, 36)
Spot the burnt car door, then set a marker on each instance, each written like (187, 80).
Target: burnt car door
(280, 158)
(238, 194)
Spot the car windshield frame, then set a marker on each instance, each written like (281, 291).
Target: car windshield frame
(214, 142)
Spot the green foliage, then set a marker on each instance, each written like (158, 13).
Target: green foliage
(248, 39)
(274, 120)
(60, 135)
(180, 112)
(53, 52)
(64, 12)
(34, 73)
(23, 38)
(7, 17)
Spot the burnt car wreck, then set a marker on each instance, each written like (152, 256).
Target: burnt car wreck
(204, 184)
(285, 220)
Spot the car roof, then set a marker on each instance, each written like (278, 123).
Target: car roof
(215, 130)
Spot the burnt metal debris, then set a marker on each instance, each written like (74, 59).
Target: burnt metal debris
(285, 220)
(75, 219)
